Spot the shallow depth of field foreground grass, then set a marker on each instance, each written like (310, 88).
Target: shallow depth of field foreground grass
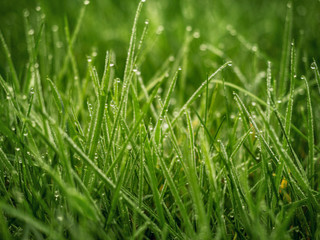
(159, 119)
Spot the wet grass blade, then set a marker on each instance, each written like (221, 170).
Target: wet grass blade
(311, 163)
(9, 59)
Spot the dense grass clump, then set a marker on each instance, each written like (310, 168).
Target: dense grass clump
(204, 127)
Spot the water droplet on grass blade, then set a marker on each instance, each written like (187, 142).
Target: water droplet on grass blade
(86, 2)
(31, 32)
(203, 47)
(196, 35)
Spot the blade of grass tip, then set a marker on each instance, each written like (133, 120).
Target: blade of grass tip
(71, 42)
(261, 138)
(9, 59)
(33, 57)
(130, 54)
(226, 104)
(212, 139)
(141, 42)
(315, 69)
(27, 218)
(269, 91)
(146, 95)
(240, 142)
(95, 78)
(97, 125)
(196, 94)
(134, 128)
(311, 162)
(292, 85)
(119, 110)
(203, 224)
(106, 74)
(164, 109)
(57, 97)
(285, 55)
(72, 59)
(98, 117)
(207, 101)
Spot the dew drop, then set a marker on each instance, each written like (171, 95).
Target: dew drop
(203, 47)
(196, 35)
(254, 48)
(31, 32)
(26, 13)
(160, 30)
(86, 2)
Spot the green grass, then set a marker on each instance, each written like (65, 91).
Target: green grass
(198, 125)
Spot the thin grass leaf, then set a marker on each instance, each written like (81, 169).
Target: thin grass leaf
(311, 163)
(196, 94)
(9, 59)
(194, 186)
(285, 54)
(164, 109)
(315, 69)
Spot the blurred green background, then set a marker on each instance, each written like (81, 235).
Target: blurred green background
(237, 28)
